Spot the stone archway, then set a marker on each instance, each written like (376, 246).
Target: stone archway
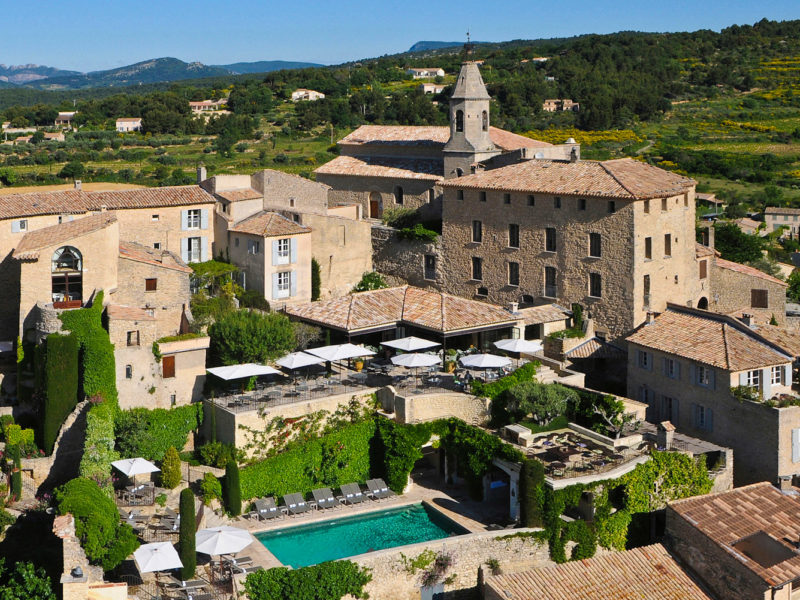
(375, 205)
(702, 303)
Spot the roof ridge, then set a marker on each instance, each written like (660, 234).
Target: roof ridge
(615, 178)
(350, 310)
(442, 310)
(725, 346)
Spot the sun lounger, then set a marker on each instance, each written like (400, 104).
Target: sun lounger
(192, 584)
(133, 517)
(351, 493)
(324, 498)
(296, 504)
(265, 508)
(378, 489)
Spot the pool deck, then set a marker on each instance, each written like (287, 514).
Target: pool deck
(418, 493)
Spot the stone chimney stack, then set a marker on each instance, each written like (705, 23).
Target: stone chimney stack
(77, 184)
(651, 316)
(785, 483)
(747, 319)
(201, 174)
(513, 307)
(665, 434)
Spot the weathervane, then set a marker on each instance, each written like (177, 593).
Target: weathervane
(468, 46)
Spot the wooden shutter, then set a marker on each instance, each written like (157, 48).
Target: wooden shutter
(168, 366)
(14, 226)
(759, 299)
(185, 250)
(795, 445)
(293, 283)
(293, 250)
(703, 269)
(203, 249)
(274, 253)
(184, 220)
(274, 286)
(150, 285)
(204, 219)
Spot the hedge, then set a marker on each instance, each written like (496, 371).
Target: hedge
(98, 446)
(325, 581)
(150, 433)
(531, 493)
(396, 449)
(60, 385)
(233, 489)
(171, 469)
(303, 467)
(186, 541)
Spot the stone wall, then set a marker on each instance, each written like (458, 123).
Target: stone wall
(404, 260)
(441, 405)
(292, 192)
(731, 292)
(350, 189)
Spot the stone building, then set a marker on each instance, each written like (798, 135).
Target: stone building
(128, 124)
(683, 364)
(615, 236)
(742, 544)
(776, 217)
(740, 289)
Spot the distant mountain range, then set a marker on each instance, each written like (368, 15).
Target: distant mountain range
(425, 46)
(148, 71)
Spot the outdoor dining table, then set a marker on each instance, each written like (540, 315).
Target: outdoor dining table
(566, 453)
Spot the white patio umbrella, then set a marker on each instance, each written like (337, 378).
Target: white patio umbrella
(222, 540)
(297, 360)
(134, 466)
(415, 361)
(244, 371)
(340, 352)
(485, 361)
(519, 345)
(158, 556)
(410, 344)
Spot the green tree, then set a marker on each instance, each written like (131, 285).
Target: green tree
(794, 286)
(171, 469)
(247, 336)
(72, 170)
(735, 245)
(8, 176)
(370, 281)
(531, 493)
(25, 582)
(233, 489)
(545, 401)
(37, 137)
(186, 542)
(316, 280)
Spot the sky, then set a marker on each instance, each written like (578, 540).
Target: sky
(86, 35)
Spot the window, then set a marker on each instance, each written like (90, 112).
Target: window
(667, 244)
(759, 299)
(485, 120)
(513, 273)
(291, 202)
(513, 235)
(284, 284)
(283, 251)
(550, 239)
(557, 202)
(752, 379)
(550, 285)
(66, 270)
(133, 338)
(173, 399)
(154, 217)
(672, 368)
(22, 225)
(612, 207)
(581, 203)
(477, 232)
(168, 367)
(193, 249)
(482, 291)
(663, 205)
(482, 196)
(595, 285)
(459, 120)
(704, 376)
(595, 245)
(431, 195)
(669, 409)
(128, 371)
(646, 290)
(430, 267)
(193, 218)
(150, 285)
(477, 269)
(644, 360)
(702, 417)
(398, 194)
(686, 200)
(647, 207)
(776, 375)
(703, 269)
(648, 248)
(460, 194)
(156, 245)
(531, 201)
(253, 246)
(506, 198)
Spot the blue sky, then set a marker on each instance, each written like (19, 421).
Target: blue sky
(101, 34)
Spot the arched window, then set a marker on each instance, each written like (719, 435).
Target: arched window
(459, 120)
(67, 275)
(703, 303)
(398, 195)
(459, 173)
(485, 120)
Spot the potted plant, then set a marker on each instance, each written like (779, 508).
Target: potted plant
(358, 364)
(449, 366)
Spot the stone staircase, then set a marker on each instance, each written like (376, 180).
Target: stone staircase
(545, 374)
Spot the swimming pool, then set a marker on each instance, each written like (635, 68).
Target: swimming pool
(314, 543)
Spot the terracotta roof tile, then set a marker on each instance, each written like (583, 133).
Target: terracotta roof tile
(30, 244)
(744, 269)
(414, 306)
(647, 573)
(620, 178)
(546, 313)
(711, 339)
(393, 168)
(595, 348)
(127, 313)
(237, 195)
(781, 210)
(701, 251)
(786, 338)
(728, 517)
(269, 224)
(159, 258)
(78, 201)
(406, 135)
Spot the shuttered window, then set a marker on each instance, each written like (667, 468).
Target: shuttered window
(759, 299)
(167, 367)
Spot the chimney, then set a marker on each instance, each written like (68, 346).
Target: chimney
(747, 319)
(573, 155)
(665, 432)
(77, 184)
(103, 208)
(651, 316)
(201, 174)
(513, 307)
(785, 483)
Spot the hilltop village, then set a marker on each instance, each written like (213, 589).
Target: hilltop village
(535, 380)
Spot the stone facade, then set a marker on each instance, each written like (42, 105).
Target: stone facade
(408, 261)
(737, 292)
(376, 195)
(419, 408)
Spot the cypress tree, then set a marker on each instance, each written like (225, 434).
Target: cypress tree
(531, 481)
(316, 280)
(186, 534)
(171, 469)
(233, 491)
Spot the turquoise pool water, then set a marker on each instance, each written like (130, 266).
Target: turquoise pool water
(314, 543)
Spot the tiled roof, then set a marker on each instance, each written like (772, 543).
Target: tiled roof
(129, 119)
(707, 338)
(619, 178)
(745, 270)
(269, 224)
(701, 251)
(546, 313)
(394, 168)
(405, 135)
(730, 516)
(595, 348)
(237, 195)
(127, 313)
(746, 224)
(159, 258)
(785, 337)
(427, 309)
(30, 244)
(771, 210)
(646, 573)
(79, 201)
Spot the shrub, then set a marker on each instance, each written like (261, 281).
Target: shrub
(316, 280)
(325, 581)
(171, 469)
(218, 454)
(60, 385)
(232, 489)
(531, 496)
(186, 543)
(105, 540)
(253, 299)
(370, 281)
(6, 519)
(150, 433)
(98, 446)
(397, 448)
(26, 581)
(418, 233)
(493, 390)
(210, 488)
(16, 484)
(244, 336)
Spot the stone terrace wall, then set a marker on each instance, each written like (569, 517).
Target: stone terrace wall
(403, 260)
(429, 407)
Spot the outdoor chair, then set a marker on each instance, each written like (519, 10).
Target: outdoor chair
(378, 489)
(352, 494)
(324, 498)
(296, 504)
(265, 508)
(192, 584)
